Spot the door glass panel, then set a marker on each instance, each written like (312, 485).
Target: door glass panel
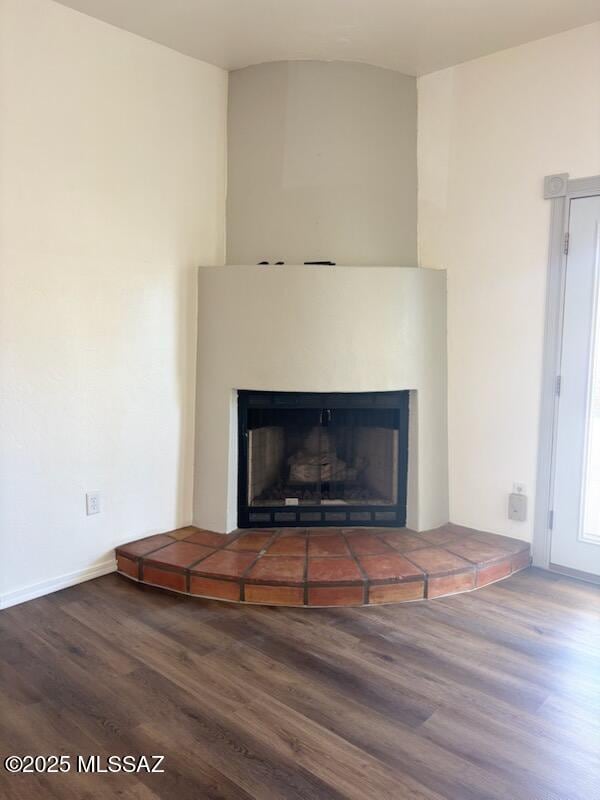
(591, 489)
(575, 533)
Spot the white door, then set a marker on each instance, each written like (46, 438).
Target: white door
(576, 506)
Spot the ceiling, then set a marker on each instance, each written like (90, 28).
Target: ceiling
(412, 36)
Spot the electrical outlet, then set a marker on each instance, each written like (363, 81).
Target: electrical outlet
(519, 488)
(517, 507)
(92, 503)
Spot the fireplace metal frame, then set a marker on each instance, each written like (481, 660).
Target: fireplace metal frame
(329, 515)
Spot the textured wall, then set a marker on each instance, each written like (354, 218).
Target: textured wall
(322, 164)
(112, 155)
(489, 130)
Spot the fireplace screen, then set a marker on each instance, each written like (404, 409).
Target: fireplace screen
(322, 459)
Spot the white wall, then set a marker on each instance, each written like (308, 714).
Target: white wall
(320, 329)
(322, 164)
(112, 158)
(489, 130)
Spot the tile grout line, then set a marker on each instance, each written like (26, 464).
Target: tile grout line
(477, 565)
(240, 579)
(141, 559)
(425, 576)
(305, 593)
(188, 570)
(215, 550)
(360, 569)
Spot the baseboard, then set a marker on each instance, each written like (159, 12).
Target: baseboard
(589, 577)
(54, 584)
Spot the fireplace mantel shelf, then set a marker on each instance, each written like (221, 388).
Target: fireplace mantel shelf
(322, 567)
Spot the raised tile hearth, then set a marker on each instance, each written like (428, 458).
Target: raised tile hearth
(322, 567)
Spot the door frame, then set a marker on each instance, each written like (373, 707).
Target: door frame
(559, 189)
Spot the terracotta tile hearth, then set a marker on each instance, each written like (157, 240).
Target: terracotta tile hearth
(317, 567)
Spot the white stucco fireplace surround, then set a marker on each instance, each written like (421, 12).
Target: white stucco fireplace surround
(320, 329)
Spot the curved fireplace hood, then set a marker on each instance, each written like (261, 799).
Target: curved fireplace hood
(320, 329)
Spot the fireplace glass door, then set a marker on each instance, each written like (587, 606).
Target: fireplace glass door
(322, 459)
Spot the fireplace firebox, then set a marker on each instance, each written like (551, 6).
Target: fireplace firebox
(318, 459)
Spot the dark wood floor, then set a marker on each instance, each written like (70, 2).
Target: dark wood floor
(492, 695)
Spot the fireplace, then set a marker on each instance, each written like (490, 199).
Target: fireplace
(317, 459)
(334, 331)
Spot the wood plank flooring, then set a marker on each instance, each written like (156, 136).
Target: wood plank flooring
(493, 695)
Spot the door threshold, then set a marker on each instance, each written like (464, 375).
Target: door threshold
(589, 577)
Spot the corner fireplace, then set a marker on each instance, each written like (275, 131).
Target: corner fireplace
(318, 459)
